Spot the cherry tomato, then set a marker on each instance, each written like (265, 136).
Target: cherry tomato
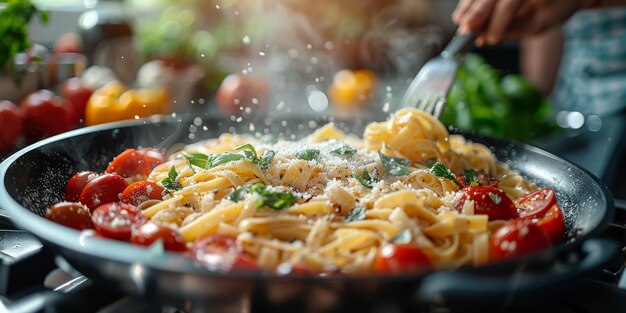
(150, 232)
(238, 92)
(141, 191)
(535, 204)
(77, 94)
(401, 258)
(70, 214)
(220, 253)
(77, 183)
(488, 200)
(68, 43)
(130, 163)
(153, 155)
(116, 220)
(12, 124)
(517, 237)
(46, 114)
(103, 189)
(553, 224)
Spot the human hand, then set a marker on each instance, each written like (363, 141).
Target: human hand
(496, 20)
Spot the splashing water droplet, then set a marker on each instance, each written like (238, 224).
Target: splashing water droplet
(239, 119)
(255, 101)
(246, 40)
(309, 46)
(217, 6)
(386, 107)
(251, 127)
(136, 117)
(261, 53)
(197, 121)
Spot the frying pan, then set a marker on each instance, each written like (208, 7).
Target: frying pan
(34, 178)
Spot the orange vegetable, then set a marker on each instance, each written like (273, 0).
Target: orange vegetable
(115, 102)
(352, 88)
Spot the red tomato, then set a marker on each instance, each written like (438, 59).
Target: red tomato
(77, 94)
(517, 237)
(535, 204)
(116, 220)
(401, 258)
(11, 125)
(70, 214)
(488, 200)
(153, 155)
(149, 233)
(141, 191)
(553, 224)
(220, 253)
(46, 114)
(103, 189)
(130, 163)
(238, 92)
(77, 183)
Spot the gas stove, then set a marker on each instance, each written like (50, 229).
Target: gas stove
(33, 279)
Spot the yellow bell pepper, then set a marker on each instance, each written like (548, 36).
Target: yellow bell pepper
(114, 102)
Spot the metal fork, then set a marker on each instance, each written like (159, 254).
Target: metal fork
(429, 88)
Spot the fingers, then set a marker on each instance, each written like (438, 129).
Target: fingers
(542, 19)
(478, 15)
(503, 15)
(460, 10)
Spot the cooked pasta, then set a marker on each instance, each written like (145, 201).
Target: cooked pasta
(351, 197)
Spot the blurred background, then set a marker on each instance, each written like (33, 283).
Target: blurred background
(352, 59)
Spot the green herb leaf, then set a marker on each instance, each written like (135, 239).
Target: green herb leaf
(210, 161)
(368, 179)
(343, 149)
(403, 237)
(442, 171)
(249, 152)
(495, 198)
(394, 166)
(238, 194)
(267, 159)
(274, 200)
(170, 182)
(471, 177)
(357, 214)
(308, 154)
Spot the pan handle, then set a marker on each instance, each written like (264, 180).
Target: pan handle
(470, 288)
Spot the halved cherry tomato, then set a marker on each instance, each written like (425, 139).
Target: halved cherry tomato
(130, 163)
(153, 155)
(70, 214)
(150, 232)
(141, 191)
(116, 220)
(220, 253)
(553, 224)
(517, 237)
(401, 258)
(77, 183)
(535, 204)
(103, 189)
(488, 200)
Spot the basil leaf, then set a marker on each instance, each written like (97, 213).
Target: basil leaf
(274, 200)
(368, 179)
(249, 152)
(343, 149)
(198, 159)
(267, 159)
(170, 182)
(442, 171)
(355, 215)
(238, 194)
(403, 237)
(394, 166)
(223, 158)
(471, 177)
(308, 154)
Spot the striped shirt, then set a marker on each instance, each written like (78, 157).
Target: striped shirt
(592, 77)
